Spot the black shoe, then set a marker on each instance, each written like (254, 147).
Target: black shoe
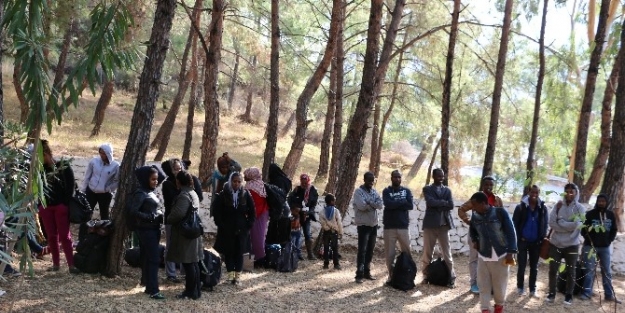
(369, 277)
(301, 258)
(173, 279)
(359, 280)
(182, 297)
(568, 299)
(613, 299)
(550, 297)
(337, 267)
(74, 270)
(325, 266)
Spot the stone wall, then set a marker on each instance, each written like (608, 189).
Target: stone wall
(458, 235)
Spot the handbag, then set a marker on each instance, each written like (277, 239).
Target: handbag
(544, 246)
(79, 209)
(191, 225)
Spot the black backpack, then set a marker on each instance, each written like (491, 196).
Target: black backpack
(272, 255)
(91, 252)
(288, 260)
(132, 257)
(404, 272)
(210, 270)
(276, 199)
(79, 209)
(438, 273)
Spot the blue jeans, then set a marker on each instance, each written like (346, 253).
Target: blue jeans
(589, 264)
(296, 236)
(306, 229)
(366, 243)
(533, 249)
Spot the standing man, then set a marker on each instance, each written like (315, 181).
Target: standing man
(101, 180)
(599, 231)
(437, 223)
(366, 204)
(495, 239)
(397, 203)
(305, 198)
(530, 219)
(488, 183)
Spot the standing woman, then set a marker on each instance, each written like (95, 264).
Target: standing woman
(170, 191)
(234, 216)
(225, 167)
(101, 180)
(255, 185)
(148, 218)
(305, 198)
(184, 250)
(59, 189)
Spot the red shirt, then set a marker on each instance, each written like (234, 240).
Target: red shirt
(491, 198)
(260, 203)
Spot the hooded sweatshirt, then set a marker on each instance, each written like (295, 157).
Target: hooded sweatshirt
(366, 205)
(599, 217)
(101, 177)
(566, 223)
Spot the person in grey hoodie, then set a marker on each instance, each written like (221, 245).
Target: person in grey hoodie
(565, 220)
(367, 202)
(101, 180)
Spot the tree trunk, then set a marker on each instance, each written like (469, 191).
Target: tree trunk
(1, 86)
(375, 135)
(194, 97)
(446, 105)
(429, 174)
(288, 124)
(416, 166)
(594, 179)
(161, 140)
(19, 92)
(387, 115)
(337, 132)
(373, 74)
(142, 121)
(538, 98)
(235, 75)
(324, 155)
(301, 112)
(499, 73)
(247, 116)
(274, 79)
(211, 105)
(614, 173)
(103, 102)
(586, 109)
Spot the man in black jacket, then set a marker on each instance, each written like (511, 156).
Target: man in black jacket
(530, 221)
(397, 203)
(599, 231)
(305, 198)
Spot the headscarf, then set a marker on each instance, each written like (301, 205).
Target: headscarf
(276, 176)
(329, 212)
(235, 193)
(255, 181)
(143, 174)
(306, 178)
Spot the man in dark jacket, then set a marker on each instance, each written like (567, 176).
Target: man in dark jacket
(397, 203)
(305, 198)
(599, 231)
(437, 223)
(530, 221)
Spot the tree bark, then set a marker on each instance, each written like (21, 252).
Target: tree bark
(288, 124)
(416, 166)
(301, 112)
(19, 92)
(375, 136)
(429, 174)
(1, 86)
(274, 102)
(161, 140)
(446, 103)
(538, 98)
(614, 172)
(247, 116)
(142, 121)
(211, 104)
(235, 75)
(337, 132)
(324, 155)
(499, 73)
(589, 91)
(594, 179)
(373, 74)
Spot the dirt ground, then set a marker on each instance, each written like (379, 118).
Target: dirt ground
(309, 289)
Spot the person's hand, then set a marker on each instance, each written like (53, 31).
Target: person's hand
(559, 204)
(510, 260)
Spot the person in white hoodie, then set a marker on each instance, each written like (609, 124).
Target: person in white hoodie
(565, 220)
(101, 180)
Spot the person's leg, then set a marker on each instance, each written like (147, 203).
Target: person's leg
(49, 222)
(104, 202)
(554, 264)
(588, 264)
(390, 239)
(499, 279)
(521, 264)
(149, 247)
(443, 240)
(92, 198)
(192, 280)
(429, 240)
(308, 239)
(534, 254)
(264, 221)
(606, 273)
(570, 257)
(296, 238)
(363, 237)
(472, 262)
(326, 248)
(334, 243)
(170, 267)
(65, 236)
(373, 235)
(257, 239)
(484, 283)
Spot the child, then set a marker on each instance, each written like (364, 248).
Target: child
(296, 231)
(332, 226)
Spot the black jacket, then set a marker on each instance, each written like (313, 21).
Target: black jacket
(59, 187)
(233, 222)
(599, 238)
(519, 217)
(145, 209)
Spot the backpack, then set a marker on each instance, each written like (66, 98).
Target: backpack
(210, 270)
(79, 209)
(132, 256)
(91, 252)
(288, 260)
(272, 255)
(404, 272)
(438, 273)
(276, 199)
